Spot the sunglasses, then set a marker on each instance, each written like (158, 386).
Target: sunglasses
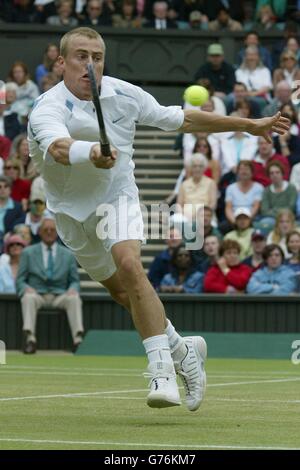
(10, 167)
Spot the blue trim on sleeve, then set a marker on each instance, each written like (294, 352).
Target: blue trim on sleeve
(69, 105)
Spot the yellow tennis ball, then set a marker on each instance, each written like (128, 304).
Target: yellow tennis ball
(196, 95)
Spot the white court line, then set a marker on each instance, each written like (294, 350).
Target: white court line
(30, 370)
(67, 374)
(145, 444)
(72, 395)
(226, 384)
(87, 394)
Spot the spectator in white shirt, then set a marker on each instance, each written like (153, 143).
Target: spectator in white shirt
(255, 75)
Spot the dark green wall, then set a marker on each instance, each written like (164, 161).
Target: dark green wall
(163, 62)
(208, 313)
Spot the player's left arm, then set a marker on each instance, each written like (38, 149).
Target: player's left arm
(196, 121)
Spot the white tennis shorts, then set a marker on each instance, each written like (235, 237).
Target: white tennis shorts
(91, 241)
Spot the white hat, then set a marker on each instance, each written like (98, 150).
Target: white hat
(242, 211)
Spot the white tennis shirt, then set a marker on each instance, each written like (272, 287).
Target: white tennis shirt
(77, 190)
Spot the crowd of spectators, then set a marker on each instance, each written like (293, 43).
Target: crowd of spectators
(250, 189)
(213, 15)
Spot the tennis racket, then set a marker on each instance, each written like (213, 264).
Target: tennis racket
(104, 142)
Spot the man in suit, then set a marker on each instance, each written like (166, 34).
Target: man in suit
(160, 17)
(48, 276)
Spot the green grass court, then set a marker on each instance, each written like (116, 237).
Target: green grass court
(60, 401)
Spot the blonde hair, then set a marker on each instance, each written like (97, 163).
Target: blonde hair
(251, 49)
(276, 235)
(199, 158)
(84, 31)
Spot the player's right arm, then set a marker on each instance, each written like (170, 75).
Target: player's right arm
(47, 127)
(63, 149)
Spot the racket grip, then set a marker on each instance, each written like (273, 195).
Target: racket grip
(105, 150)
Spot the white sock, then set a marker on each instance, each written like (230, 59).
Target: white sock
(158, 349)
(176, 342)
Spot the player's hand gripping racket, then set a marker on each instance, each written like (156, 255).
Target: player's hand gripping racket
(104, 142)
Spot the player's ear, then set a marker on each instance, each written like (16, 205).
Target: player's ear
(61, 61)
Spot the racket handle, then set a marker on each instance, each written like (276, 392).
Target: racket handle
(105, 150)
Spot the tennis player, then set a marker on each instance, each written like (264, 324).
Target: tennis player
(63, 136)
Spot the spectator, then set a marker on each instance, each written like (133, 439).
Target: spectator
(264, 156)
(219, 72)
(289, 144)
(243, 108)
(235, 147)
(252, 39)
(161, 263)
(279, 195)
(48, 276)
(206, 229)
(255, 76)
(258, 242)
(48, 81)
(44, 9)
(243, 231)
(244, 193)
(64, 15)
(160, 20)
(198, 189)
(11, 212)
(37, 212)
(275, 278)
(96, 14)
(14, 246)
(24, 232)
(183, 278)
(293, 245)
(27, 89)
(50, 55)
(218, 103)
(12, 104)
(9, 123)
(21, 11)
(266, 20)
(5, 145)
(293, 45)
(20, 189)
(197, 21)
(229, 275)
(295, 180)
(224, 22)
(240, 92)
(279, 7)
(28, 170)
(289, 69)
(127, 18)
(284, 224)
(282, 96)
(210, 255)
(213, 169)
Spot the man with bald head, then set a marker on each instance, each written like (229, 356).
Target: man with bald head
(48, 277)
(282, 95)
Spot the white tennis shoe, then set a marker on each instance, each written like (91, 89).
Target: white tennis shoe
(191, 371)
(163, 386)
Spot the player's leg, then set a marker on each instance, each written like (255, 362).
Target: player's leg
(149, 319)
